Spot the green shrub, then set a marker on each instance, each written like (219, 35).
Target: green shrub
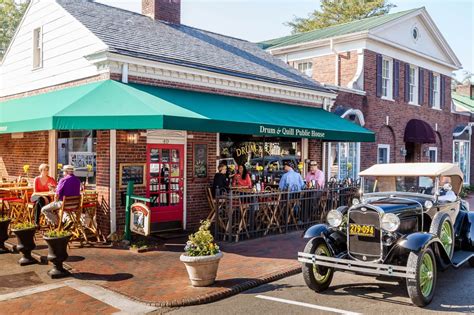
(57, 234)
(4, 218)
(201, 243)
(23, 226)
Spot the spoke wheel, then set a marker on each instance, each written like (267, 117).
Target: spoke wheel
(446, 236)
(421, 289)
(317, 278)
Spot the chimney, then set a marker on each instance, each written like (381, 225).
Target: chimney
(163, 10)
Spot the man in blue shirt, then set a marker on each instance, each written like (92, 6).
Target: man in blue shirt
(291, 180)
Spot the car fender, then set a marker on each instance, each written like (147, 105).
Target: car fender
(467, 232)
(317, 230)
(416, 242)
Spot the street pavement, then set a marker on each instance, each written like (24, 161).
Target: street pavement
(347, 294)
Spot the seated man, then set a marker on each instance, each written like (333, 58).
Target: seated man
(446, 193)
(68, 186)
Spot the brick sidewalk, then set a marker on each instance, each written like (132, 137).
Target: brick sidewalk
(158, 278)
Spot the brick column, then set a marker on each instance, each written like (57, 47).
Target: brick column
(315, 151)
(102, 180)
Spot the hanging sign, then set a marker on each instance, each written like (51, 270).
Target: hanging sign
(291, 132)
(140, 216)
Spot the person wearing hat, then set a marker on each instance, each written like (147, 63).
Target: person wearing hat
(314, 176)
(291, 180)
(68, 186)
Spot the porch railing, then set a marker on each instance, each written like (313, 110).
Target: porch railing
(245, 214)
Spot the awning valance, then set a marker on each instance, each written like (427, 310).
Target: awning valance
(418, 131)
(114, 105)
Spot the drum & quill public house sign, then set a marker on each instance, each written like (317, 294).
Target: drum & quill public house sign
(291, 132)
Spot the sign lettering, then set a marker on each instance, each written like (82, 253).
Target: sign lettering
(293, 132)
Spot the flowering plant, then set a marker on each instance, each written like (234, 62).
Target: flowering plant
(26, 169)
(60, 166)
(259, 168)
(300, 166)
(202, 242)
(89, 168)
(4, 218)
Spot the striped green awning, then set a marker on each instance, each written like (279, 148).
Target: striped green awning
(114, 105)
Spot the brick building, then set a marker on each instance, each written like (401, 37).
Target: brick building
(393, 76)
(131, 97)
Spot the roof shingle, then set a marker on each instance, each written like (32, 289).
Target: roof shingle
(136, 35)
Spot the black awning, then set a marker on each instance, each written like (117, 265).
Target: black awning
(418, 131)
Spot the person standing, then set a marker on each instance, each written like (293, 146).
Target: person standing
(68, 186)
(291, 180)
(42, 183)
(220, 181)
(242, 178)
(315, 176)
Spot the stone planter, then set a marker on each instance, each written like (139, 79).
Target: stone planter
(57, 254)
(4, 235)
(26, 243)
(202, 270)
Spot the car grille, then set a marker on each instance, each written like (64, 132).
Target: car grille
(365, 248)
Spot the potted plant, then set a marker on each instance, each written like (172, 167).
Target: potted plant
(201, 256)
(4, 223)
(25, 234)
(57, 252)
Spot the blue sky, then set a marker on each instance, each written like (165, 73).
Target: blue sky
(257, 20)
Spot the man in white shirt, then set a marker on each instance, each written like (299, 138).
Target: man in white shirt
(446, 193)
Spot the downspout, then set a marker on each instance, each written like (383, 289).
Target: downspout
(336, 54)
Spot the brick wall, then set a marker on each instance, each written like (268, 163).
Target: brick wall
(103, 180)
(347, 67)
(324, 68)
(163, 10)
(32, 149)
(315, 151)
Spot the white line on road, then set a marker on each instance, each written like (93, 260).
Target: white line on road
(318, 307)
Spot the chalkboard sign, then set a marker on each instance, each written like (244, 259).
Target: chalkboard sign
(132, 172)
(200, 160)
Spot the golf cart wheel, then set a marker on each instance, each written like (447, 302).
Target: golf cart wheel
(421, 289)
(317, 278)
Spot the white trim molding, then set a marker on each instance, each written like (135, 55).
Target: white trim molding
(383, 146)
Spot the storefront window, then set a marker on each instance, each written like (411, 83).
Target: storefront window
(255, 152)
(344, 160)
(78, 148)
(461, 157)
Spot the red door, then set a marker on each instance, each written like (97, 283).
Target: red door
(165, 184)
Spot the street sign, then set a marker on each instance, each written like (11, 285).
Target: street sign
(140, 216)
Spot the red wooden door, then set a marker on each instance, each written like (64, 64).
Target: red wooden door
(165, 182)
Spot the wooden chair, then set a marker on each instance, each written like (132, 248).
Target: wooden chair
(275, 212)
(90, 201)
(72, 207)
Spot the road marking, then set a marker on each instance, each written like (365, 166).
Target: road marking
(318, 307)
(29, 291)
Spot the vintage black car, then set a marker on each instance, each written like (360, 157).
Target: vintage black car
(408, 223)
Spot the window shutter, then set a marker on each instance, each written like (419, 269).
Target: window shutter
(379, 76)
(407, 82)
(430, 89)
(396, 79)
(442, 91)
(421, 86)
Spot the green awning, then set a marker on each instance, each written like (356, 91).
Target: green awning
(114, 105)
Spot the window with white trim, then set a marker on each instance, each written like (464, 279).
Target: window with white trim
(435, 91)
(383, 154)
(387, 78)
(433, 154)
(37, 48)
(461, 157)
(306, 68)
(413, 85)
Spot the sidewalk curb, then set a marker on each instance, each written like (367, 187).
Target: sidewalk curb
(224, 293)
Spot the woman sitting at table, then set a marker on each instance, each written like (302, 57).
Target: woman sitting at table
(42, 183)
(242, 178)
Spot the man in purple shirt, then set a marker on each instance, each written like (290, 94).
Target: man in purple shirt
(68, 186)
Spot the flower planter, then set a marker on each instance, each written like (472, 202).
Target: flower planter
(57, 254)
(26, 243)
(4, 235)
(202, 270)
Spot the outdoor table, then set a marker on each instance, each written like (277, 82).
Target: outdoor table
(18, 206)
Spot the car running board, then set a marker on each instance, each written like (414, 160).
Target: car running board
(461, 257)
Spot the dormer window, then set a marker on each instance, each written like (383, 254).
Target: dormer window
(306, 68)
(37, 48)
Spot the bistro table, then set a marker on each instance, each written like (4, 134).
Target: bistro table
(17, 204)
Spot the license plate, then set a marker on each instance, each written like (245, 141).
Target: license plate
(361, 230)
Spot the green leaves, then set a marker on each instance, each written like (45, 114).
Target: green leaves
(334, 12)
(11, 12)
(201, 243)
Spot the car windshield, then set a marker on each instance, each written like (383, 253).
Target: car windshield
(413, 184)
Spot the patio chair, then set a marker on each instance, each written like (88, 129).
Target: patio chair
(72, 207)
(90, 201)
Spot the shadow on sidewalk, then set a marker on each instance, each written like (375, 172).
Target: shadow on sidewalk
(102, 277)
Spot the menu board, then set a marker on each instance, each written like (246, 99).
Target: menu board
(200, 160)
(132, 172)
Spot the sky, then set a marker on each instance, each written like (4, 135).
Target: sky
(257, 20)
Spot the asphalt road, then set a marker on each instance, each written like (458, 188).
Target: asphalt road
(347, 294)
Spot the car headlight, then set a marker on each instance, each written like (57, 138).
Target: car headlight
(334, 218)
(428, 204)
(390, 222)
(355, 201)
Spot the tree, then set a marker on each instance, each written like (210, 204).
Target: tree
(339, 11)
(11, 12)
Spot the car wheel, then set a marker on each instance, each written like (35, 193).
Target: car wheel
(421, 289)
(317, 278)
(443, 228)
